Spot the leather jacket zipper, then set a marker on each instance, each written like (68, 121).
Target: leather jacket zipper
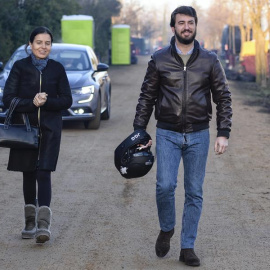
(184, 101)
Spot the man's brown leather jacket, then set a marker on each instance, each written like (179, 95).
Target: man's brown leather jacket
(182, 94)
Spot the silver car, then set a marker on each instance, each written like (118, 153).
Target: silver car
(89, 82)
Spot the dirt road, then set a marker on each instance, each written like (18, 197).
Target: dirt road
(102, 221)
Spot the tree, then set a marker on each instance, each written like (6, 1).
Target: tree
(101, 11)
(259, 9)
(211, 23)
(49, 13)
(247, 14)
(144, 23)
(19, 18)
(131, 14)
(12, 24)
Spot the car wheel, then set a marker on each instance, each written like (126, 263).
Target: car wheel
(95, 123)
(107, 113)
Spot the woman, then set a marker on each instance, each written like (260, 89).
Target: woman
(43, 88)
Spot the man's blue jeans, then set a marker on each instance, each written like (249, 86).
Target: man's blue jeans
(193, 148)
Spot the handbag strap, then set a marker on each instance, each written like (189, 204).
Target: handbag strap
(11, 109)
(15, 101)
(26, 121)
(12, 106)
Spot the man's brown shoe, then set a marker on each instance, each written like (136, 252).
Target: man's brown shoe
(163, 243)
(189, 257)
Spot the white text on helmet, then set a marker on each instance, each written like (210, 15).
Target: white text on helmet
(135, 136)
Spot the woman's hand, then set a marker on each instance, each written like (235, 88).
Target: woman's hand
(40, 99)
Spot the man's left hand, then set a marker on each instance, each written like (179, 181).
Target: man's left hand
(221, 145)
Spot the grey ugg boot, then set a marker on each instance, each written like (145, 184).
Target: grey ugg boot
(44, 218)
(30, 228)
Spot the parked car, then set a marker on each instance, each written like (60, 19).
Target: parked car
(89, 81)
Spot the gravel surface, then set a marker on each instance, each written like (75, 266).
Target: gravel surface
(103, 221)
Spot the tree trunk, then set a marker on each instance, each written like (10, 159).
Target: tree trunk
(242, 27)
(260, 57)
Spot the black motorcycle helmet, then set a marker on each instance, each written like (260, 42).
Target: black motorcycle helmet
(130, 160)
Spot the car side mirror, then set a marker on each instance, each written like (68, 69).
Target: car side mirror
(101, 67)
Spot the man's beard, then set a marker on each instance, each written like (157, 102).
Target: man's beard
(185, 41)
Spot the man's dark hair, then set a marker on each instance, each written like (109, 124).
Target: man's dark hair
(186, 10)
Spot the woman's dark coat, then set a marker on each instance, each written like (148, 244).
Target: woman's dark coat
(24, 82)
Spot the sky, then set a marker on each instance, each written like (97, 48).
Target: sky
(172, 4)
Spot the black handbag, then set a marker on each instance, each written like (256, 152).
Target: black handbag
(18, 136)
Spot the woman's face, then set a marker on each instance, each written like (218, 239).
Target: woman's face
(41, 45)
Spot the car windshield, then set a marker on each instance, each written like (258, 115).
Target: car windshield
(72, 60)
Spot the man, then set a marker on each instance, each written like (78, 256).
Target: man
(179, 82)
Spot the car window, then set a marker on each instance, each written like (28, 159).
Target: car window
(16, 56)
(72, 60)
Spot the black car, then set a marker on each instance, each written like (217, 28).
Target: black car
(89, 82)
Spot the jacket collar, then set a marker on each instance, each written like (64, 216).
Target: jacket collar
(196, 45)
(193, 55)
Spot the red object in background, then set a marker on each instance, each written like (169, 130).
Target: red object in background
(250, 66)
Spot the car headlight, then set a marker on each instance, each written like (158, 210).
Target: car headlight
(84, 90)
(87, 90)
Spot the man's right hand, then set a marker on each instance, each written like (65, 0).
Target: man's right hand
(141, 146)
